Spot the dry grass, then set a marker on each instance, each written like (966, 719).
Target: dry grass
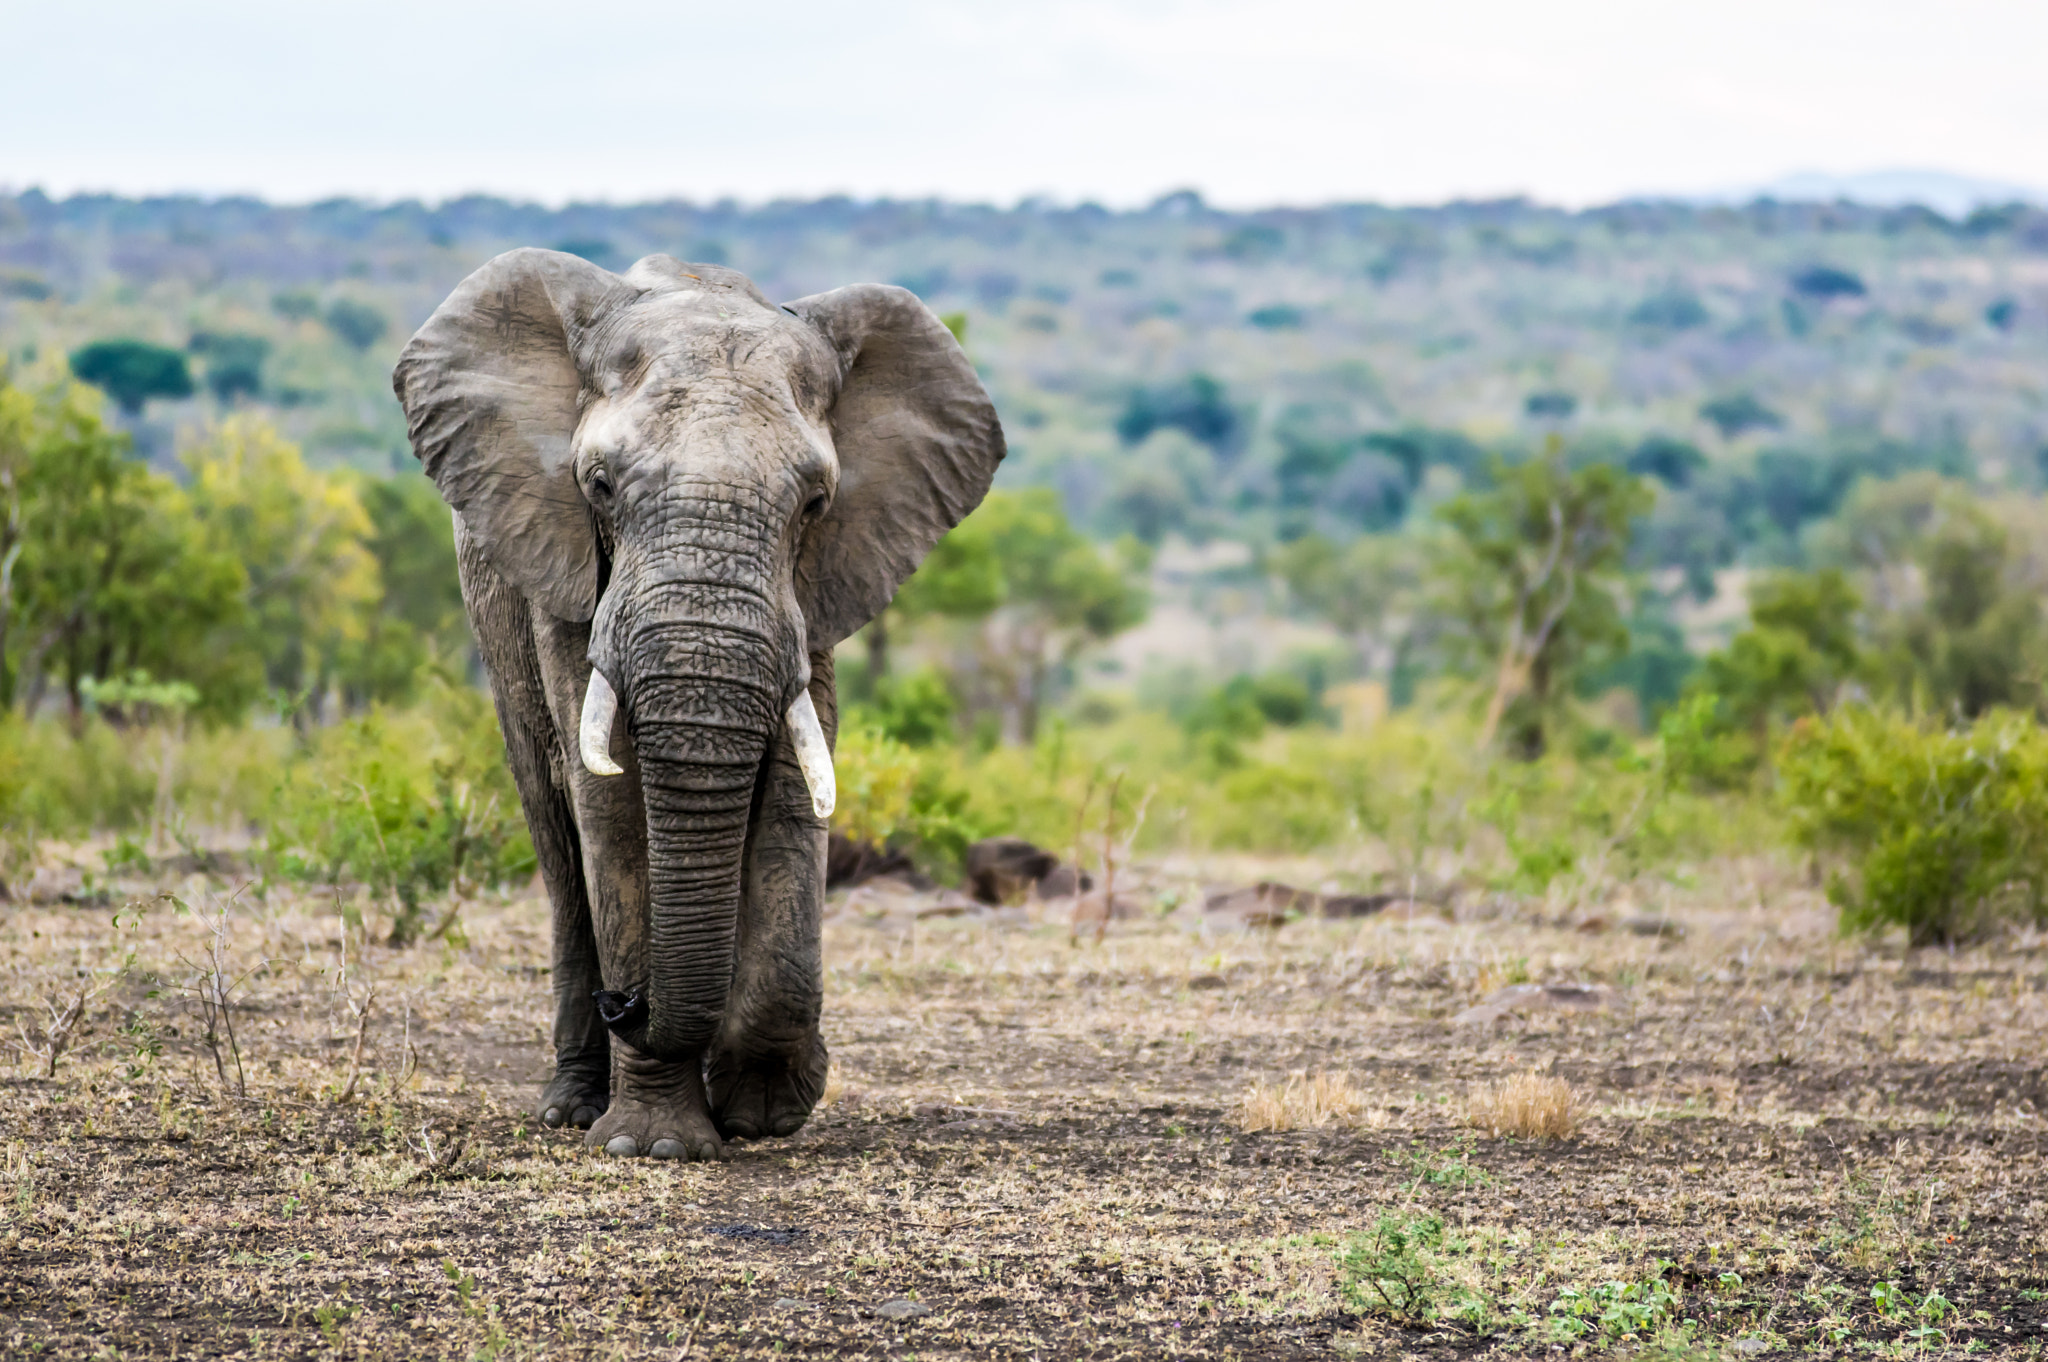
(1304, 1101)
(1527, 1106)
(1051, 1146)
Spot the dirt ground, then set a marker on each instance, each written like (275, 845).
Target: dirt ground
(1794, 1144)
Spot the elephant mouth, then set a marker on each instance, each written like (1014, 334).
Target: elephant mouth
(807, 738)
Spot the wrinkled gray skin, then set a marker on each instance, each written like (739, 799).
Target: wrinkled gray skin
(666, 476)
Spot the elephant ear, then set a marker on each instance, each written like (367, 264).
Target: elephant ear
(492, 393)
(918, 444)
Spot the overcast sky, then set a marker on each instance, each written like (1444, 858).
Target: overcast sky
(1280, 101)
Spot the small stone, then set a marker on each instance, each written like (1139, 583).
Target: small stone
(1751, 1345)
(785, 1303)
(901, 1309)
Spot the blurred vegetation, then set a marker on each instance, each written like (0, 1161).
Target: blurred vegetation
(1487, 543)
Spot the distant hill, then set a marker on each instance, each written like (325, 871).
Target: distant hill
(1952, 195)
(1181, 369)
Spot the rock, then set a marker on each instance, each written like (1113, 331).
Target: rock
(1356, 905)
(1265, 904)
(1270, 904)
(901, 1309)
(1063, 882)
(1752, 1345)
(849, 863)
(1208, 981)
(786, 1303)
(1648, 924)
(1521, 998)
(1006, 869)
(940, 1111)
(951, 903)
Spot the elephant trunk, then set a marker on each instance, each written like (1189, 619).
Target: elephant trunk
(702, 715)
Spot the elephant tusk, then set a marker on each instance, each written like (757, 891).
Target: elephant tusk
(600, 706)
(813, 755)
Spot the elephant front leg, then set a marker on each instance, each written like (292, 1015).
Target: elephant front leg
(768, 1067)
(648, 1106)
(658, 1109)
(503, 623)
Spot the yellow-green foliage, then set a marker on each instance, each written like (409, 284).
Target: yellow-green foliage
(894, 795)
(1414, 795)
(408, 803)
(1942, 831)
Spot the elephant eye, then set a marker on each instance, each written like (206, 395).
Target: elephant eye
(816, 506)
(600, 485)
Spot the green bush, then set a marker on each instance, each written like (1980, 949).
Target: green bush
(1941, 831)
(895, 796)
(407, 804)
(916, 708)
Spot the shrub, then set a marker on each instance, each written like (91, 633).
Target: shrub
(1941, 831)
(406, 804)
(1402, 1270)
(891, 795)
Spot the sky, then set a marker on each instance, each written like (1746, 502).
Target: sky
(1275, 102)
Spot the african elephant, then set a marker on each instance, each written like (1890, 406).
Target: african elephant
(671, 499)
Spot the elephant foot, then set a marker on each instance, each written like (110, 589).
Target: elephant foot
(753, 1096)
(657, 1111)
(576, 1096)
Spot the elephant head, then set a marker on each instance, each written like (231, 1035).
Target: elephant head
(722, 488)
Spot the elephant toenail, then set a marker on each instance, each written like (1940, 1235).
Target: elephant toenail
(585, 1117)
(552, 1118)
(667, 1149)
(623, 1146)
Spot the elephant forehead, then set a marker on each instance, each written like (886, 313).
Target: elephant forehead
(689, 333)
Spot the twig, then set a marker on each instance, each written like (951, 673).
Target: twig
(355, 1067)
(691, 1336)
(57, 1030)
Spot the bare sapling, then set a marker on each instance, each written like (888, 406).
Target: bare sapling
(211, 985)
(65, 1010)
(358, 1009)
(1114, 853)
(60, 1025)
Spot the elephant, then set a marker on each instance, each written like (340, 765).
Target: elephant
(671, 498)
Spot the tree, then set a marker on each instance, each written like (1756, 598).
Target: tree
(1825, 282)
(1675, 309)
(1797, 654)
(1955, 593)
(1741, 412)
(1196, 405)
(358, 324)
(1533, 571)
(1366, 590)
(234, 362)
(959, 579)
(132, 371)
(1059, 593)
(109, 570)
(303, 541)
(419, 620)
(1671, 462)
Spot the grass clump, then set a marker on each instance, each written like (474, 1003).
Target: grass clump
(1528, 1106)
(1302, 1101)
(1941, 831)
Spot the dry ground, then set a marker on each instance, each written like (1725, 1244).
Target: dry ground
(1796, 1145)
